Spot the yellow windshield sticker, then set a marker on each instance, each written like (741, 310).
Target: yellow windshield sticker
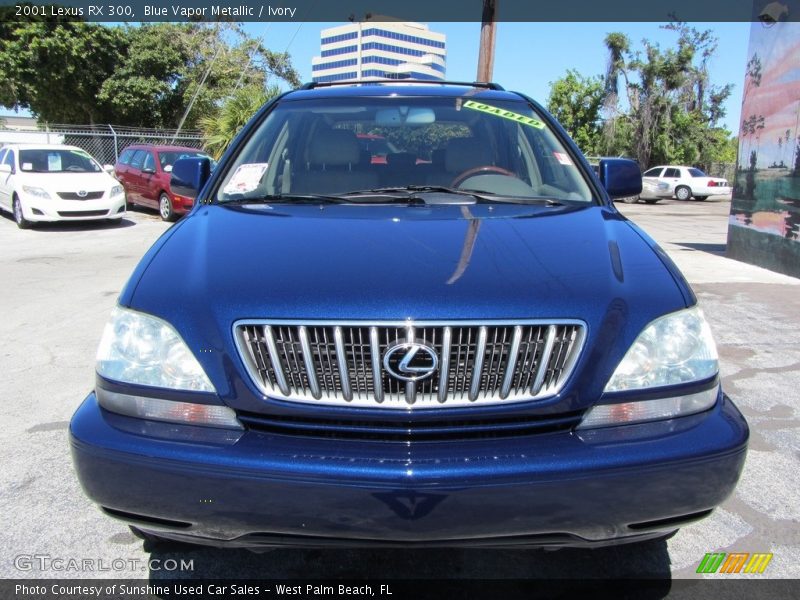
(506, 114)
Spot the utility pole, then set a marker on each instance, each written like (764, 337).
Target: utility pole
(486, 52)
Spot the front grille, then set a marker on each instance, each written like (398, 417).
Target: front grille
(81, 213)
(76, 196)
(400, 429)
(344, 363)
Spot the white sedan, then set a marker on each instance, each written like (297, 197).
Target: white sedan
(682, 183)
(57, 183)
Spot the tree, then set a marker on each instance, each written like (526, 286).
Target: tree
(57, 69)
(576, 102)
(672, 109)
(137, 76)
(221, 127)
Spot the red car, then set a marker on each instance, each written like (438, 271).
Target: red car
(145, 170)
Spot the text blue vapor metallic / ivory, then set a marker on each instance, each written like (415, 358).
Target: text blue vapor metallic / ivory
(323, 469)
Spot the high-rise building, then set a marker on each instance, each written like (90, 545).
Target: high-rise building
(372, 50)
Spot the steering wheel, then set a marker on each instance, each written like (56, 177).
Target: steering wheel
(462, 177)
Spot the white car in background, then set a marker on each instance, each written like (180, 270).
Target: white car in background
(57, 183)
(682, 183)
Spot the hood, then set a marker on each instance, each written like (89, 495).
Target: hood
(383, 262)
(346, 262)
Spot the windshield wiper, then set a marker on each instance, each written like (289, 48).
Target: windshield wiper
(289, 199)
(415, 191)
(410, 191)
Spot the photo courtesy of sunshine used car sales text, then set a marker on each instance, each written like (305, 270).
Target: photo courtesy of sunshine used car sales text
(198, 590)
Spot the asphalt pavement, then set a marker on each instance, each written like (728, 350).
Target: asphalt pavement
(61, 281)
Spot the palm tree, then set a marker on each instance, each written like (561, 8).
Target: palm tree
(220, 128)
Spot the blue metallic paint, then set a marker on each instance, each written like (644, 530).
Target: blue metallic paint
(598, 485)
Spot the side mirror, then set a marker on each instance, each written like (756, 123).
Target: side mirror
(621, 177)
(4, 168)
(189, 175)
(109, 169)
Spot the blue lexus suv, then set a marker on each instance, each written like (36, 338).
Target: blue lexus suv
(464, 344)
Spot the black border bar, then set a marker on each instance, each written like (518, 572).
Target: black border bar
(767, 11)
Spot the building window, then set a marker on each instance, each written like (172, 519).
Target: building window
(339, 38)
(335, 64)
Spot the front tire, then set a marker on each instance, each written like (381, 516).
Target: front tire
(682, 192)
(165, 208)
(700, 197)
(19, 217)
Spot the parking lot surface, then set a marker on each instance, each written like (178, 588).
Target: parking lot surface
(61, 281)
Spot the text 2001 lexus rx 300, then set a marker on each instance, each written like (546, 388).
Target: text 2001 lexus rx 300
(464, 344)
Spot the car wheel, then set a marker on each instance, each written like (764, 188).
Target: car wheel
(682, 192)
(165, 208)
(631, 200)
(651, 200)
(700, 197)
(19, 218)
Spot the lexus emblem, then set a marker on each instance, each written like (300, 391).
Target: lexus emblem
(82, 193)
(410, 361)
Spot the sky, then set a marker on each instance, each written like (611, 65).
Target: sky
(530, 56)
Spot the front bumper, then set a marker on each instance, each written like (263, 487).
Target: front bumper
(230, 488)
(55, 209)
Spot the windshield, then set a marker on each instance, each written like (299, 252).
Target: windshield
(167, 158)
(57, 161)
(697, 173)
(337, 146)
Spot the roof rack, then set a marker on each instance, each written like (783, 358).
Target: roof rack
(479, 84)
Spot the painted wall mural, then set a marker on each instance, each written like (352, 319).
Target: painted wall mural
(764, 225)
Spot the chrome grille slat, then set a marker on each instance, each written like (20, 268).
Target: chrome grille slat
(544, 360)
(375, 356)
(308, 360)
(513, 352)
(341, 362)
(278, 368)
(495, 362)
(477, 367)
(444, 365)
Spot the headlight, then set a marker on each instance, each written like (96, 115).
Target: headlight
(36, 191)
(674, 349)
(142, 349)
(117, 190)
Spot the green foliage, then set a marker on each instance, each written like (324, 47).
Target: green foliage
(57, 69)
(670, 110)
(221, 127)
(138, 76)
(576, 102)
(421, 141)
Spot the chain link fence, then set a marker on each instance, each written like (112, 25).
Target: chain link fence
(723, 170)
(103, 142)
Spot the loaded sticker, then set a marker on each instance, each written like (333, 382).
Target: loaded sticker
(506, 114)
